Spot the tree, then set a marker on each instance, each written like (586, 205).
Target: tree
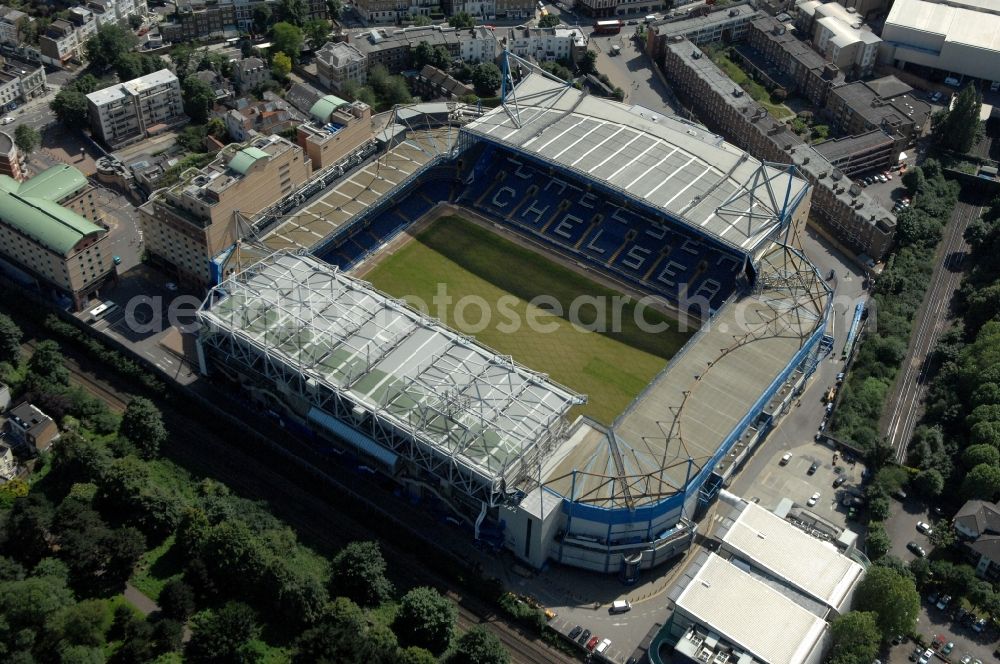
(281, 65)
(961, 128)
(855, 638)
(892, 597)
(47, 363)
(110, 42)
(549, 21)
(134, 21)
(292, 11)
(27, 139)
(358, 572)
(334, 9)
(142, 424)
(415, 655)
(461, 20)
(70, 107)
(177, 600)
(914, 180)
(223, 635)
(287, 39)
(920, 570)
(425, 619)
(82, 624)
(877, 542)
(198, 99)
(588, 64)
(262, 17)
(973, 455)
(477, 646)
(422, 54)
(26, 604)
(486, 79)
(982, 482)
(316, 31)
(879, 508)
(929, 483)
(10, 340)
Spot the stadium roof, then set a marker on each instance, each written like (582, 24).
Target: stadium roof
(750, 614)
(54, 184)
(678, 424)
(662, 162)
(811, 566)
(245, 158)
(478, 408)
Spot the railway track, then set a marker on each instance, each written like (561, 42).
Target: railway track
(307, 507)
(932, 318)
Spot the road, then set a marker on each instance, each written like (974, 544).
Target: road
(932, 318)
(315, 504)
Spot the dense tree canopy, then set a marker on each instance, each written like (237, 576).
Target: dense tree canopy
(109, 43)
(855, 638)
(358, 571)
(425, 619)
(478, 646)
(142, 424)
(486, 78)
(287, 38)
(961, 128)
(892, 597)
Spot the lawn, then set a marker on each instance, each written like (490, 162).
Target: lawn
(610, 367)
(757, 91)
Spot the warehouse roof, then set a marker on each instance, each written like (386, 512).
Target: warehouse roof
(813, 567)
(975, 24)
(54, 184)
(659, 161)
(750, 614)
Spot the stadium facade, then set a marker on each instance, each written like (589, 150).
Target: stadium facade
(656, 204)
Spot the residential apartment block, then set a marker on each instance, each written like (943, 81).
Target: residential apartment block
(433, 83)
(874, 150)
(128, 112)
(20, 81)
(31, 430)
(392, 48)
(811, 75)
(59, 45)
(200, 18)
(84, 22)
(12, 22)
(55, 246)
(885, 103)
(335, 129)
(250, 73)
(728, 25)
(338, 63)
(841, 207)
(840, 34)
(612, 8)
(977, 525)
(547, 44)
(186, 225)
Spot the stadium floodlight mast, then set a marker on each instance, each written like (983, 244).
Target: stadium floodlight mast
(507, 87)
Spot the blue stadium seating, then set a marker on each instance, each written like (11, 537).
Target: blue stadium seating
(672, 262)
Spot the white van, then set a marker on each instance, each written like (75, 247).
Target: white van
(603, 646)
(620, 606)
(952, 81)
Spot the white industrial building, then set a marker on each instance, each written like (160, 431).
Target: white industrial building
(954, 36)
(767, 596)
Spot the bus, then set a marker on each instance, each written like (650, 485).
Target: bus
(609, 27)
(102, 310)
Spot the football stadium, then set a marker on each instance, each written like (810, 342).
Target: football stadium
(589, 446)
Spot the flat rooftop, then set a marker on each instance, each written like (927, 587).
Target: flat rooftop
(811, 566)
(478, 408)
(678, 168)
(840, 148)
(975, 24)
(696, 403)
(750, 614)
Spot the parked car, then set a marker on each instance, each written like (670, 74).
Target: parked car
(603, 646)
(840, 377)
(813, 499)
(916, 549)
(936, 97)
(959, 615)
(932, 598)
(620, 606)
(575, 632)
(924, 528)
(979, 626)
(594, 640)
(839, 481)
(926, 657)
(944, 601)
(947, 648)
(813, 468)
(584, 637)
(785, 458)
(899, 494)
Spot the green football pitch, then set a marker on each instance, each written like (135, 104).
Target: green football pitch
(611, 367)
